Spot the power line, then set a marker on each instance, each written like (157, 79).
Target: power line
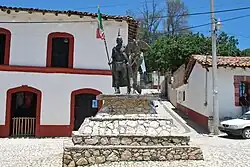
(206, 24)
(199, 13)
(205, 13)
(202, 7)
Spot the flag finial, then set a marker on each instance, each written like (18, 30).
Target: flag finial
(119, 32)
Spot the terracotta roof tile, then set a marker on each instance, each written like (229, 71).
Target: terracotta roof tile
(132, 24)
(223, 61)
(5, 8)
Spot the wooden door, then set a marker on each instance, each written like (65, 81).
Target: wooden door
(84, 107)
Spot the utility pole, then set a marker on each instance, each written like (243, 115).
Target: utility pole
(214, 72)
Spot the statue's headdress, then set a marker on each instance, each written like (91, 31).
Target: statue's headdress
(119, 33)
(119, 38)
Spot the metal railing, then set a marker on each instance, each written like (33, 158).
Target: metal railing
(23, 126)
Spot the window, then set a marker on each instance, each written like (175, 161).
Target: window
(4, 46)
(179, 96)
(183, 96)
(243, 88)
(60, 50)
(24, 99)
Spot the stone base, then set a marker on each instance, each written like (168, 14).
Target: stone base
(121, 125)
(126, 129)
(76, 156)
(132, 140)
(126, 104)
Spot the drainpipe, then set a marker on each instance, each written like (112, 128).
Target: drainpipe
(206, 78)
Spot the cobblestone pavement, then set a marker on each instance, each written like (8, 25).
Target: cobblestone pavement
(47, 152)
(22, 152)
(218, 152)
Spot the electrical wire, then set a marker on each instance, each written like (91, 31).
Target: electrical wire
(191, 14)
(206, 24)
(205, 13)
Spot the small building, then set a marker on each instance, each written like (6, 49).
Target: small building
(192, 87)
(52, 66)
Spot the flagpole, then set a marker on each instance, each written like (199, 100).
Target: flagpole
(104, 37)
(107, 52)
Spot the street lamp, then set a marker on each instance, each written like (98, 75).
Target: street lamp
(218, 24)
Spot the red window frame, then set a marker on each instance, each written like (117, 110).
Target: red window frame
(7, 45)
(71, 47)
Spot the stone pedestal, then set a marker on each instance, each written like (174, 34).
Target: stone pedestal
(126, 104)
(127, 129)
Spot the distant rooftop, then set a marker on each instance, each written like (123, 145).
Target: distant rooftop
(222, 61)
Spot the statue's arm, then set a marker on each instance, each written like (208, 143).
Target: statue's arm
(125, 53)
(112, 56)
(143, 45)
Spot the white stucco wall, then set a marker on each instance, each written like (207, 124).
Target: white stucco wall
(29, 41)
(155, 78)
(195, 91)
(56, 92)
(226, 92)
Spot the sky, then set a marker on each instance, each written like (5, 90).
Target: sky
(238, 28)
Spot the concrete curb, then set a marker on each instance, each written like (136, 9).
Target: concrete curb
(176, 117)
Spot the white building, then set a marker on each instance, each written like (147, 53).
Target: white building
(52, 67)
(193, 87)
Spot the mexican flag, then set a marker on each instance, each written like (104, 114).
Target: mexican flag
(100, 30)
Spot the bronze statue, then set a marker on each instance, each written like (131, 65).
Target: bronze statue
(134, 50)
(120, 62)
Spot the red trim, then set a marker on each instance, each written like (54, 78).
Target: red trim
(5, 129)
(54, 131)
(72, 107)
(198, 118)
(237, 80)
(54, 70)
(7, 45)
(71, 47)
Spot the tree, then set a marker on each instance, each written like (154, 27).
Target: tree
(227, 45)
(176, 22)
(149, 21)
(170, 52)
(245, 52)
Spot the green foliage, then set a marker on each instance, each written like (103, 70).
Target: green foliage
(227, 45)
(170, 52)
(245, 52)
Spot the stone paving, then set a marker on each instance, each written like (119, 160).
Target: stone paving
(218, 152)
(47, 152)
(22, 152)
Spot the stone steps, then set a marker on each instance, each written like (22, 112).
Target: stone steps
(134, 140)
(77, 155)
(126, 130)
(120, 125)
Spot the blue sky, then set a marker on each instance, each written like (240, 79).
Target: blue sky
(238, 28)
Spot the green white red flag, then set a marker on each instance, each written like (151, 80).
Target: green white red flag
(100, 29)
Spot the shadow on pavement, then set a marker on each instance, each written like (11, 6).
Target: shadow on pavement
(232, 137)
(190, 123)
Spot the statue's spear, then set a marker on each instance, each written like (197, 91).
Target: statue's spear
(100, 34)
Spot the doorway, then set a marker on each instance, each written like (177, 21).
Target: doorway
(84, 105)
(23, 111)
(23, 114)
